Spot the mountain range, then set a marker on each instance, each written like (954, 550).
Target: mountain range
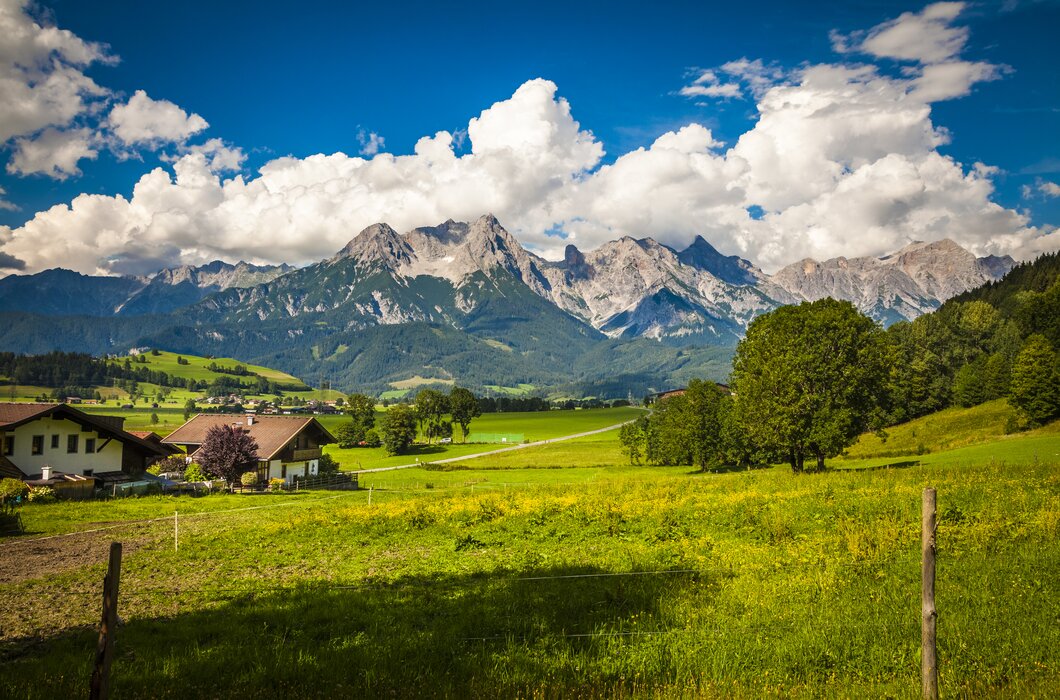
(466, 302)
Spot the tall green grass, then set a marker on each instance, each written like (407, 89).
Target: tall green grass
(780, 586)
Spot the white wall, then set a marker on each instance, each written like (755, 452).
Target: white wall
(293, 469)
(106, 460)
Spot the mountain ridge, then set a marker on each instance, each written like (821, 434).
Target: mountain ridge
(469, 302)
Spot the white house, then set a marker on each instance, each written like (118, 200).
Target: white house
(40, 441)
(288, 446)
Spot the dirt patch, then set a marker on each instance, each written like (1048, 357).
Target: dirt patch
(30, 559)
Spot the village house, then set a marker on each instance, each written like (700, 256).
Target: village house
(59, 446)
(288, 446)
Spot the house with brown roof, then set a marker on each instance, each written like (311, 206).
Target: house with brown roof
(288, 446)
(44, 442)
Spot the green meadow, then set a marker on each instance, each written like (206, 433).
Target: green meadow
(533, 426)
(559, 571)
(198, 368)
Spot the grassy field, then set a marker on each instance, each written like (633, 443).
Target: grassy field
(198, 368)
(533, 426)
(945, 430)
(534, 574)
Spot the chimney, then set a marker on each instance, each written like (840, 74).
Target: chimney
(46, 472)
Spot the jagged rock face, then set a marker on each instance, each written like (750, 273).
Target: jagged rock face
(220, 275)
(903, 285)
(457, 274)
(732, 269)
(643, 288)
(452, 251)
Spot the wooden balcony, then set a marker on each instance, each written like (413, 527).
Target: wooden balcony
(304, 455)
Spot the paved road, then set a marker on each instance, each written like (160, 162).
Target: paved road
(498, 451)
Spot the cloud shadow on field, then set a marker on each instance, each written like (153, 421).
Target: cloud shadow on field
(460, 635)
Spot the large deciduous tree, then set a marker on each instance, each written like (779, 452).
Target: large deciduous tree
(809, 379)
(397, 429)
(463, 406)
(227, 452)
(431, 408)
(361, 410)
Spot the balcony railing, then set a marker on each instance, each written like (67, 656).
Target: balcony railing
(303, 455)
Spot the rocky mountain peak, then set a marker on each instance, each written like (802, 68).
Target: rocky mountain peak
(378, 243)
(730, 268)
(572, 257)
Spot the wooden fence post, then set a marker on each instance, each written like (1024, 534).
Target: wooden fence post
(929, 669)
(108, 627)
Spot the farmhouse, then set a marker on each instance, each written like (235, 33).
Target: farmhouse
(58, 445)
(288, 446)
(663, 395)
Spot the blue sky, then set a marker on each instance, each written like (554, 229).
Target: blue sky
(274, 80)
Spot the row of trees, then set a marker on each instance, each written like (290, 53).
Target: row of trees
(808, 379)
(77, 374)
(432, 414)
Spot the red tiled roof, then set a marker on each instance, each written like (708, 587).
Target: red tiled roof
(272, 433)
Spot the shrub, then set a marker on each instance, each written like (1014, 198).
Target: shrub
(372, 439)
(276, 484)
(41, 494)
(249, 478)
(175, 463)
(193, 472)
(11, 489)
(327, 465)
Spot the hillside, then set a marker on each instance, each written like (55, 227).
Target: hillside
(198, 368)
(948, 429)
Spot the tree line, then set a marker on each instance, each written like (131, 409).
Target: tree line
(808, 379)
(433, 415)
(77, 374)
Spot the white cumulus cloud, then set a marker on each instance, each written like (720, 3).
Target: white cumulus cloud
(53, 152)
(143, 121)
(927, 36)
(42, 82)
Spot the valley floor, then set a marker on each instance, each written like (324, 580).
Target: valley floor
(521, 575)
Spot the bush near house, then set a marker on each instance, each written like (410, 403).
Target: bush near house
(12, 489)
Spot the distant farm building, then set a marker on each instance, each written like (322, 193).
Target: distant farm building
(663, 395)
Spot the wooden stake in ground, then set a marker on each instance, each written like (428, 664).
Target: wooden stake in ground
(100, 687)
(175, 531)
(929, 669)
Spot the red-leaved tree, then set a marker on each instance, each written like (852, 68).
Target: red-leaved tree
(227, 452)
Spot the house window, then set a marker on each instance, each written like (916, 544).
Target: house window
(71, 444)
(87, 472)
(90, 446)
(283, 471)
(9, 445)
(55, 442)
(38, 444)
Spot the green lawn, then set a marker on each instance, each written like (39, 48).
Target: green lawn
(501, 583)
